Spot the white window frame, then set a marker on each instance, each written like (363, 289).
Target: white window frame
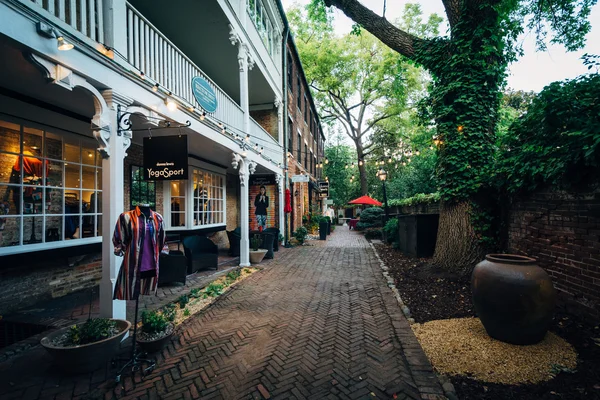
(66, 138)
(189, 198)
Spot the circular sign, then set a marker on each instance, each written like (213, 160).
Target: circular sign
(204, 94)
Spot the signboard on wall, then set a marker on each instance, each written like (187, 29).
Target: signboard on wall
(300, 178)
(204, 94)
(165, 158)
(262, 180)
(324, 188)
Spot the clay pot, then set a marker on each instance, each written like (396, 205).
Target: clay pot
(513, 297)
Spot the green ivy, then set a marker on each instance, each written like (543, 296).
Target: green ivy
(416, 199)
(557, 142)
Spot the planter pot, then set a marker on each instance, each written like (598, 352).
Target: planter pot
(256, 256)
(323, 230)
(151, 346)
(513, 297)
(88, 357)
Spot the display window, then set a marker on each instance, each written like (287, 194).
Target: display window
(141, 191)
(198, 202)
(50, 186)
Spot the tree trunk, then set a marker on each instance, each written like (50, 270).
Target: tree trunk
(362, 170)
(457, 248)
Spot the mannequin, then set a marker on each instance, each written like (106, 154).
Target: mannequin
(139, 237)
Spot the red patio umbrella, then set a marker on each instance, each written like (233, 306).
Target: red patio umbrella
(288, 202)
(366, 200)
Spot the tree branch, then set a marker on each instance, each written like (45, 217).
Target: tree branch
(452, 11)
(397, 39)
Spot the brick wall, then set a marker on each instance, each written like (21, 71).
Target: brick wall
(268, 120)
(562, 231)
(24, 284)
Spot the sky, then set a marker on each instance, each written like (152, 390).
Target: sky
(531, 72)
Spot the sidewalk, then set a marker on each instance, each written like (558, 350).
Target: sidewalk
(317, 322)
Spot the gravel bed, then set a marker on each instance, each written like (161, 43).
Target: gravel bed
(460, 346)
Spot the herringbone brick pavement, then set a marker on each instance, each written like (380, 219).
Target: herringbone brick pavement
(318, 322)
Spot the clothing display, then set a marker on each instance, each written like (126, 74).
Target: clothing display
(261, 202)
(139, 237)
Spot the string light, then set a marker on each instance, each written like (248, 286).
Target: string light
(192, 109)
(248, 137)
(360, 163)
(203, 115)
(255, 146)
(346, 167)
(261, 150)
(224, 129)
(326, 160)
(155, 87)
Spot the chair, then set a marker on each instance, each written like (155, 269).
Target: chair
(352, 224)
(267, 243)
(172, 268)
(234, 237)
(275, 233)
(201, 253)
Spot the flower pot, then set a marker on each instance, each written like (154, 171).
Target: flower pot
(87, 357)
(154, 345)
(256, 256)
(323, 230)
(513, 297)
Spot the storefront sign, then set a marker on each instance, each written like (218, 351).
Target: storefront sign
(262, 180)
(165, 158)
(300, 178)
(324, 188)
(329, 202)
(204, 94)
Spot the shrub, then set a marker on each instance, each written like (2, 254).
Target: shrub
(154, 322)
(391, 230)
(214, 289)
(416, 199)
(372, 215)
(170, 312)
(255, 242)
(373, 233)
(183, 300)
(93, 330)
(233, 275)
(300, 234)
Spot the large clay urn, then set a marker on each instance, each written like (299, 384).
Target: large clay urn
(513, 297)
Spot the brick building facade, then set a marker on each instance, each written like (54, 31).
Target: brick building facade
(305, 139)
(562, 231)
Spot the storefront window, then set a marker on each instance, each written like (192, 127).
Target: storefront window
(141, 191)
(178, 203)
(205, 195)
(208, 198)
(50, 186)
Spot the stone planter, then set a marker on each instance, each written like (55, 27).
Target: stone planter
(513, 297)
(151, 346)
(256, 256)
(88, 357)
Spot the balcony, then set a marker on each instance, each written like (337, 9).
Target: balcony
(147, 48)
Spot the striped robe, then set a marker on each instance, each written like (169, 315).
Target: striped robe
(128, 240)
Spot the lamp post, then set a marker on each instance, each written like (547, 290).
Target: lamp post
(383, 176)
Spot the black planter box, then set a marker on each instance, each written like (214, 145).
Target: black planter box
(323, 230)
(417, 234)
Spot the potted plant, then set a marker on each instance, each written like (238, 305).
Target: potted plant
(256, 254)
(157, 329)
(88, 346)
(300, 235)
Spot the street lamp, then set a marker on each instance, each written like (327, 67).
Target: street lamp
(383, 176)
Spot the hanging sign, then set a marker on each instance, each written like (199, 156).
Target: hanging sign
(165, 158)
(300, 178)
(324, 188)
(262, 180)
(204, 94)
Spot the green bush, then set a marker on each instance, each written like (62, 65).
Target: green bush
(391, 230)
(370, 218)
(154, 322)
(183, 300)
(416, 199)
(214, 289)
(373, 233)
(300, 234)
(170, 312)
(93, 330)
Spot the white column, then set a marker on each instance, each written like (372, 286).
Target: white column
(246, 168)
(246, 63)
(280, 185)
(115, 25)
(113, 146)
(280, 126)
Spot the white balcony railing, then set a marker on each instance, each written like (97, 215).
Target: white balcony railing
(85, 16)
(272, 149)
(151, 52)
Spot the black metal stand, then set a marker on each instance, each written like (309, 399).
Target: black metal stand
(136, 360)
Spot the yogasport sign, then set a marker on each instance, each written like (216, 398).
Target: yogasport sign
(165, 158)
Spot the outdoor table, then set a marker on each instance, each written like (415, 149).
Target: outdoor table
(345, 221)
